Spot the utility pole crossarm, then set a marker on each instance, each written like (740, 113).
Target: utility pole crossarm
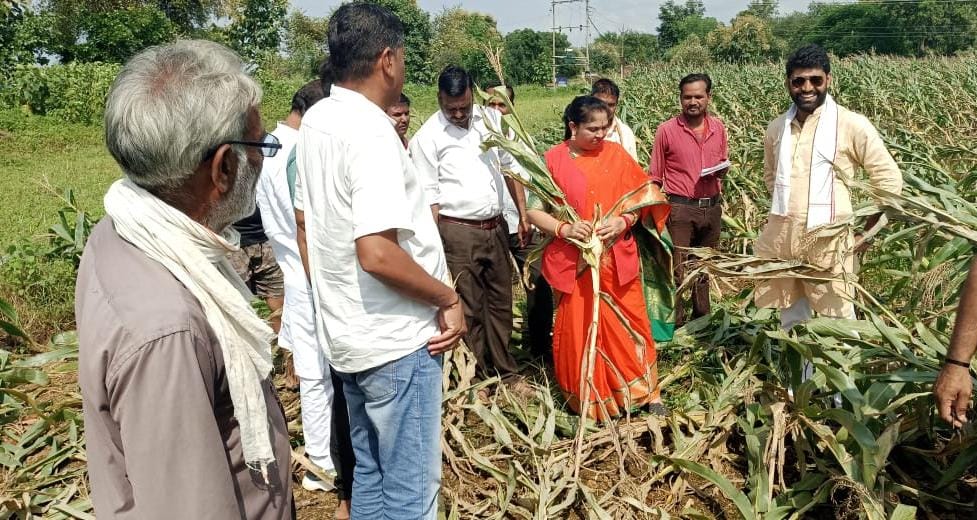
(584, 27)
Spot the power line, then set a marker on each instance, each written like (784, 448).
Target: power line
(585, 27)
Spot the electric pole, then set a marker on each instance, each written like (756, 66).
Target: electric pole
(553, 33)
(586, 9)
(622, 52)
(583, 27)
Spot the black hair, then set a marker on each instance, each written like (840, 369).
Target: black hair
(404, 100)
(810, 56)
(579, 111)
(308, 95)
(358, 33)
(605, 86)
(454, 81)
(692, 78)
(325, 77)
(511, 92)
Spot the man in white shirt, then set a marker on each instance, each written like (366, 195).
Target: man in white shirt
(608, 92)
(297, 332)
(465, 187)
(377, 269)
(539, 298)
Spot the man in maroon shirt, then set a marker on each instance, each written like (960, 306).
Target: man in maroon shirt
(688, 161)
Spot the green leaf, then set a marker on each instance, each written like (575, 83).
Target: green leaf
(45, 358)
(963, 462)
(865, 439)
(903, 512)
(17, 375)
(740, 500)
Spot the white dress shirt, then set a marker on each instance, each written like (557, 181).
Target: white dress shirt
(464, 180)
(278, 218)
(355, 179)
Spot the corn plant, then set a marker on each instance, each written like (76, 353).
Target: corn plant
(748, 436)
(41, 447)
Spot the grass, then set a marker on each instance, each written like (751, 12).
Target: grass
(40, 153)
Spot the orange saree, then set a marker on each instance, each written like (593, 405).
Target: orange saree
(625, 374)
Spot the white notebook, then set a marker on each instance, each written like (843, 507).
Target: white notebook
(713, 169)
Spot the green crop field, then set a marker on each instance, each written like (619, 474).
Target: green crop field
(42, 156)
(738, 443)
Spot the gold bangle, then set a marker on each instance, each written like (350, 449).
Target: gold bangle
(558, 228)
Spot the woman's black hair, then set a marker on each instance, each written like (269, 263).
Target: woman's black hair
(579, 111)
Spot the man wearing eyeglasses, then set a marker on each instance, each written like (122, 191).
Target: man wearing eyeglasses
(181, 415)
(811, 154)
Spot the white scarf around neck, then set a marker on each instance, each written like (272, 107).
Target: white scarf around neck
(820, 204)
(197, 258)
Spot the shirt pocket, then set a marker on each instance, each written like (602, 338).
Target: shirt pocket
(712, 152)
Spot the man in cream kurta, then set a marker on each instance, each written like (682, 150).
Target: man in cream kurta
(607, 91)
(857, 145)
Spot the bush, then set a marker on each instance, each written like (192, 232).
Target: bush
(691, 53)
(39, 280)
(277, 92)
(40, 286)
(74, 92)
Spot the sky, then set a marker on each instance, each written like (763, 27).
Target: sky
(608, 15)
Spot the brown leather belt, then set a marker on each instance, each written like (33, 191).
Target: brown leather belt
(491, 223)
(705, 202)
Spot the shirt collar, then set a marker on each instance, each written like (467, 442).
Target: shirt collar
(282, 128)
(346, 95)
(477, 115)
(816, 114)
(710, 127)
(682, 121)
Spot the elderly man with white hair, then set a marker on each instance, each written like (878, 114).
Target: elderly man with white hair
(181, 418)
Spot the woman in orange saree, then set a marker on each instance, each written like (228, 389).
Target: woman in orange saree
(593, 173)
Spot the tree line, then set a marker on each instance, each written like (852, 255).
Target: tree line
(268, 34)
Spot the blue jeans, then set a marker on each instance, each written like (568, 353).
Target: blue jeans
(395, 427)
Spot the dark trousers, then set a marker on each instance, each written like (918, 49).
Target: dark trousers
(692, 226)
(479, 263)
(539, 300)
(340, 444)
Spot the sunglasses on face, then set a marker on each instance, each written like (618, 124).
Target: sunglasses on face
(269, 146)
(799, 81)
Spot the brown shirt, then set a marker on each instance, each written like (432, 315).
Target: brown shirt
(161, 436)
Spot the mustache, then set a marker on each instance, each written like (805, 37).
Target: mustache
(819, 98)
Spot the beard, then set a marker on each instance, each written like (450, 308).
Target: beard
(240, 200)
(812, 105)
